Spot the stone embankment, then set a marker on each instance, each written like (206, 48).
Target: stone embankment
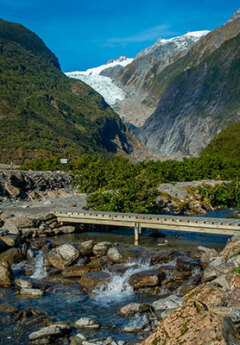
(31, 185)
(17, 187)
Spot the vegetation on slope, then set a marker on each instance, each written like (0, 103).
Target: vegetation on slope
(117, 185)
(226, 144)
(43, 112)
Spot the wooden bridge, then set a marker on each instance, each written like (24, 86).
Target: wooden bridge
(220, 226)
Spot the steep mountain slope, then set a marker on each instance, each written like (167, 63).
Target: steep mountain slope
(199, 101)
(200, 50)
(42, 111)
(226, 144)
(137, 79)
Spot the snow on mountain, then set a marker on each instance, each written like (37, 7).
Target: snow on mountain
(122, 61)
(180, 42)
(103, 85)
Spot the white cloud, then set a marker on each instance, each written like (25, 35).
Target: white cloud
(148, 35)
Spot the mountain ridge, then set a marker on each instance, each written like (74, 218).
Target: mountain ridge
(43, 112)
(201, 97)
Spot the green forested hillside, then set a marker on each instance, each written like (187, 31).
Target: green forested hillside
(226, 144)
(43, 112)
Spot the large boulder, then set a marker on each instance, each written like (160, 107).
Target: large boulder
(170, 302)
(232, 249)
(217, 268)
(90, 281)
(136, 324)
(12, 228)
(187, 264)
(86, 248)
(207, 255)
(162, 257)
(12, 190)
(114, 255)
(87, 323)
(24, 222)
(55, 330)
(11, 240)
(194, 323)
(67, 229)
(131, 309)
(148, 278)
(12, 255)
(101, 248)
(62, 256)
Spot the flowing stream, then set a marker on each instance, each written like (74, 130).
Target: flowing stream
(68, 302)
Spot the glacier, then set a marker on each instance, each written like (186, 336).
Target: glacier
(103, 85)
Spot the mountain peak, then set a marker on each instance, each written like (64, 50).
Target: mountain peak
(118, 59)
(179, 41)
(235, 16)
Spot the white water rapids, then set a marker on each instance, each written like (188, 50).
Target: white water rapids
(39, 270)
(119, 289)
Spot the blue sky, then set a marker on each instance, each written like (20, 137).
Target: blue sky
(85, 34)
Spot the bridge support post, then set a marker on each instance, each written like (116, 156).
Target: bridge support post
(137, 232)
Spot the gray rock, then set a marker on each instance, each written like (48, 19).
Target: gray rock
(187, 264)
(23, 284)
(133, 308)
(170, 302)
(235, 238)
(114, 255)
(62, 256)
(86, 248)
(101, 248)
(11, 240)
(12, 190)
(32, 292)
(85, 322)
(90, 281)
(137, 324)
(207, 255)
(12, 229)
(216, 262)
(147, 278)
(222, 281)
(54, 330)
(6, 274)
(212, 272)
(67, 229)
(166, 312)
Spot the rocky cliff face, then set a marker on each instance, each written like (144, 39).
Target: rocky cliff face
(136, 79)
(201, 98)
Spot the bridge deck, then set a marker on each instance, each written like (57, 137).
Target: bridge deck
(222, 226)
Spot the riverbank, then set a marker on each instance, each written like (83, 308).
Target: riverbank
(57, 190)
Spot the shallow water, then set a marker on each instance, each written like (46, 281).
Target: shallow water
(67, 302)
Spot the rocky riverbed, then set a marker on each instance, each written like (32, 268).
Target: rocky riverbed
(59, 285)
(87, 292)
